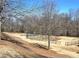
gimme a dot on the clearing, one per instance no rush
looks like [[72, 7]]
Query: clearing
[[23, 47]]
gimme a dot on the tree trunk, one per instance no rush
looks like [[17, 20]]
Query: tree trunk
[[48, 42]]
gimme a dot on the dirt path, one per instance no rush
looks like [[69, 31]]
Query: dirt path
[[32, 50]]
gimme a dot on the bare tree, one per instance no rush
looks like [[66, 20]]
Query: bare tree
[[49, 11]]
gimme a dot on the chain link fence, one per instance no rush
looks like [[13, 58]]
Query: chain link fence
[[54, 39]]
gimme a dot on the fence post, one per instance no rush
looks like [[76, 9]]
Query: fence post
[[27, 34]]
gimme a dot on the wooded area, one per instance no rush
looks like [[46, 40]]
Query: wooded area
[[49, 21]]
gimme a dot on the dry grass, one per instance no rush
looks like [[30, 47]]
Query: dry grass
[[7, 52], [26, 49]]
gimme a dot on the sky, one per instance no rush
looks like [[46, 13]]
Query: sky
[[61, 5], [66, 5]]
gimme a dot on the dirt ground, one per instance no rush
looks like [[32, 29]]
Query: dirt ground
[[16, 47], [64, 50]]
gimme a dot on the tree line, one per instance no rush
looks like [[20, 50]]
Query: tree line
[[49, 22]]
